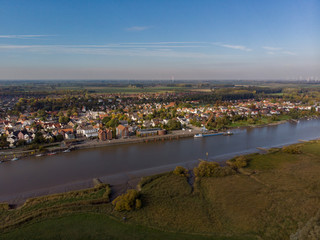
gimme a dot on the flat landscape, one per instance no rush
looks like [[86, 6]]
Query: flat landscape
[[275, 196]]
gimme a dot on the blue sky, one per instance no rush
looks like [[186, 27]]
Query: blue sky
[[230, 39]]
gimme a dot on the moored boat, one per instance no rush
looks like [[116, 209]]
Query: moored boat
[[198, 135], [207, 135], [228, 133], [14, 159]]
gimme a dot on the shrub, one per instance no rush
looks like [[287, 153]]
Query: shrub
[[223, 171], [138, 203], [180, 171], [107, 192], [128, 201], [238, 162], [205, 169], [292, 149], [212, 169], [4, 206]]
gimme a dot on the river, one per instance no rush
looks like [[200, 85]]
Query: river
[[120, 163]]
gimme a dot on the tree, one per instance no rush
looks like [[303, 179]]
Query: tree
[[3, 141], [64, 119], [128, 201], [112, 123], [180, 171], [59, 138], [39, 138], [173, 125], [105, 120]]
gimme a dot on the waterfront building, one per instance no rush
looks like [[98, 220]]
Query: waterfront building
[[122, 131]]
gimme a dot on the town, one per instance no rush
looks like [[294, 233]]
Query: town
[[31, 122]]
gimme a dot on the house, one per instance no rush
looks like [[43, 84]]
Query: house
[[69, 135], [12, 140], [105, 134], [102, 135], [148, 132], [122, 131], [109, 134], [88, 131], [24, 135]]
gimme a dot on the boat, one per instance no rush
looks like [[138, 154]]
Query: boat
[[228, 133], [39, 155], [14, 159], [67, 150], [198, 135], [207, 135], [52, 153], [212, 134]]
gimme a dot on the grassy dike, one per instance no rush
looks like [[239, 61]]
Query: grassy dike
[[275, 196]]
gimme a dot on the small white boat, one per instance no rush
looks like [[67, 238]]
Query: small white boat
[[66, 151], [15, 159], [228, 133], [198, 135], [39, 155]]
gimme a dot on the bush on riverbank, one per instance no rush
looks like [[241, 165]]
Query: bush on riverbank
[[293, 149], [238, 162], [4, 206], [128, 201], [212, 169], [180, 171]]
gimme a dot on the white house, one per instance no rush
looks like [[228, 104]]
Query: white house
[[88, 132]]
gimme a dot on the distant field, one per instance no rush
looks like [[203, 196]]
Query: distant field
[[276, 196], [127, 90]]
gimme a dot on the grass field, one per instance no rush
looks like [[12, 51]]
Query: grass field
[[275, 196], [88, 226]]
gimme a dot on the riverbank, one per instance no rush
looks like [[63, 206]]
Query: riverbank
[[119, 182], [258, 202]]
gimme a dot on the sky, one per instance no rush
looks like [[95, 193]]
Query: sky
[[160, 40]]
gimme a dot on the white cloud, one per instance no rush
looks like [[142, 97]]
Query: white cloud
[[111, 50], [278, 51], [237, 47], [272, 48], [137, 28], [289, 53], [23, 36]]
